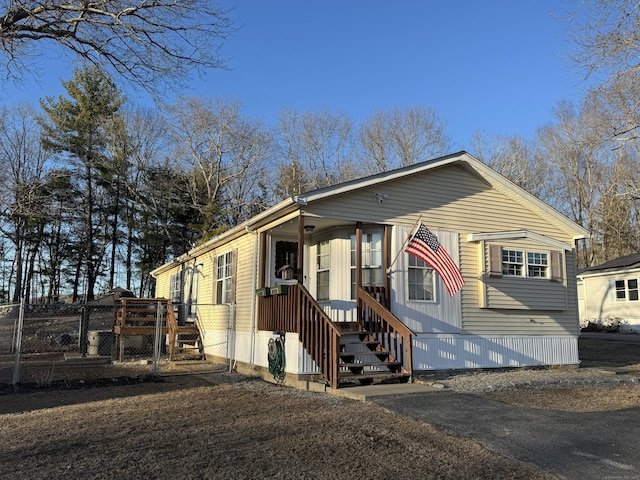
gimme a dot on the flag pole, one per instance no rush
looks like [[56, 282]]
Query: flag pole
[[404, 244]]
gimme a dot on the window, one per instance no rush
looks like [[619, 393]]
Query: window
[[632, 288], [286, 254], [627, 290], [420, 280], [371, 261], [224, 271], [322, 271], [511, 262], [175, 292], [537, 264]]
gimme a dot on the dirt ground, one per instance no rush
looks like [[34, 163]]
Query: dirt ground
[[222, 425]]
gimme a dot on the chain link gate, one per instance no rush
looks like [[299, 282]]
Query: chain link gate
[[45, 344]]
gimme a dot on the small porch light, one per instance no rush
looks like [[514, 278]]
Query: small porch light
[[309, 228]]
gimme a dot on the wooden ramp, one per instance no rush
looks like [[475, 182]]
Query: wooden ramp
[[139, 317]]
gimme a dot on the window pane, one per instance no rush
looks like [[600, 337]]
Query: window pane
[[632, 286], [322, 274], [420, 279], [224, 278], [323, 285], [620, 290], [371, 261], [512, 262]]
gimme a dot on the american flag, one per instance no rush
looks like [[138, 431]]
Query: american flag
[[426, 247]]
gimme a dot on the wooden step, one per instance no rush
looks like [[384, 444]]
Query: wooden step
[[364, 362], [373, 378], [379, 355], [363, 367]]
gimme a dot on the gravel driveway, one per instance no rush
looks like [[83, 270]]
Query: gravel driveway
[[595, 444], [574, 445]]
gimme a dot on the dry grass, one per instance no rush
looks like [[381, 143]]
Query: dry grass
[[184, 428], [591, 398]]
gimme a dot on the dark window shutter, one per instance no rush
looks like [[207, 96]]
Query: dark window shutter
[[495, 260], [556, 266]]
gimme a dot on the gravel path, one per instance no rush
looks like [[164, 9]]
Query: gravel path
[[485, 381]]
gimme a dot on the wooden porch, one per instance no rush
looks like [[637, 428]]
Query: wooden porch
[[154, 316], [374, 349]]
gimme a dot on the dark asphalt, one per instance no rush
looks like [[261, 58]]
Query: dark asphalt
[[598, 445]]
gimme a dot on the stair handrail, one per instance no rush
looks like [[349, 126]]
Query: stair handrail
[[319, 336], [386, 328], [172, 327]]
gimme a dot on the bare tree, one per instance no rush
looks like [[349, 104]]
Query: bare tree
[[23, 194], [317, 149], [580, 163], [607, 37], [146, 42], [515, 158], [222, 155], [401, 137]]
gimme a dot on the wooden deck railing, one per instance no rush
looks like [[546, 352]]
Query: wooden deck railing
[[319, 336], [297, 311], [280, 313], [393, 335]]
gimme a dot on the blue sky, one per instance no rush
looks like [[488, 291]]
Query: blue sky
[[496, 66]]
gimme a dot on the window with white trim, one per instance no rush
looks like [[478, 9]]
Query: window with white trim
[[529, 264], [224, 278], [323, 259], [512, 262], [175, 290], [537, 264], [420, 280], [371, 261], [627, 290], [519, 263]]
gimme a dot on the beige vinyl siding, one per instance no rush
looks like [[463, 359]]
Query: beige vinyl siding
[[509, 292], [244, 246], [452, 199], [163, 283]]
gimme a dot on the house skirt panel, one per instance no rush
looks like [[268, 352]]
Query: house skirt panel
[[443, 352]]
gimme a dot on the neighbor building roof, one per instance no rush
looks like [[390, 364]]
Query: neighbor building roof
[[620, 263]]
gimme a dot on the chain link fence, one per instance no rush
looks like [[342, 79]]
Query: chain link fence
[[43, 344]]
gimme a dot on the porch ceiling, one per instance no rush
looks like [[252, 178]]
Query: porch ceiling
[[290, 227]]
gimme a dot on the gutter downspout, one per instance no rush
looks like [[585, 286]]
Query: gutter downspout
[[254, 278]]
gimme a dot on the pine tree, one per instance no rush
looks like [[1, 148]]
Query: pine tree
[[76, 131]]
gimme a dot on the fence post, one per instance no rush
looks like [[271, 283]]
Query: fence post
[[84, 327], [157, 340], [16, 361]]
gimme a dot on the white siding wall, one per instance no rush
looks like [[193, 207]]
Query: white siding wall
[[598, 300], [442, 352], [443, 315]]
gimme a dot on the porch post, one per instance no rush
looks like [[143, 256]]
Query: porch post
[[300, 261], [358, 256], [262, 268], [385, 265]]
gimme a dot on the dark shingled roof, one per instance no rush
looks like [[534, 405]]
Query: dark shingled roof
[[617, 263]]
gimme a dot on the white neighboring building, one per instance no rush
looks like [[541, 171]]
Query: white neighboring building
[[608, 293]]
